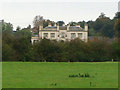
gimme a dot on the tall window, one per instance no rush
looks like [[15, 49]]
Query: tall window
[[79, 35], [45, 35], [62, 35], [52, 35], [73, 35]]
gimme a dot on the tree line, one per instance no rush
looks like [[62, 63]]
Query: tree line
[[102, 26], [16, 46]]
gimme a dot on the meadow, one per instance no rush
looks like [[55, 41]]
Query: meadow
[[57, 74]]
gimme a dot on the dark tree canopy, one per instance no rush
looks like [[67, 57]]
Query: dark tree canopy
[[60, 23], [7, 26]]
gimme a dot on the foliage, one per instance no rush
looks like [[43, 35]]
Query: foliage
[[8, 53], [102, 26], [18, 28], [117, 15], [38, 20], [47, 22], [7, 26], [17, 45], [60, 23], [46, 50], [72, 23], [116, 50], [95, 50], [117, 28]]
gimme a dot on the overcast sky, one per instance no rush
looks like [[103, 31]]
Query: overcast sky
[[21, 12]]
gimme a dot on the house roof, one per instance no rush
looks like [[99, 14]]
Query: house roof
[[71, 28], [74, 28]]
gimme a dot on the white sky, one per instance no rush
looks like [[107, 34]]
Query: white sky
[[21, 12]]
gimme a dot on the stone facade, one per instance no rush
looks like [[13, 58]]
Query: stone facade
[[64, 33]]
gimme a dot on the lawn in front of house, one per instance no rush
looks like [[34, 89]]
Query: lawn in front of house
[[56, 74]]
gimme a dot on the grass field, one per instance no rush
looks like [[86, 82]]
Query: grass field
[[56, 75]]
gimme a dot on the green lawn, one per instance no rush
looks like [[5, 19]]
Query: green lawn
[[56, 74]]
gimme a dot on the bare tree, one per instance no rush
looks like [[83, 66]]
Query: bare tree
[[38, 20]]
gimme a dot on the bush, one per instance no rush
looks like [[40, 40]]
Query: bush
[[17, 46]]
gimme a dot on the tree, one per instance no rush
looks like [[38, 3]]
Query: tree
[[117, 27], [81, 23], [7, 26], [38, 20], [99, 49], [18, 28], [117, 15], [29, 27], [46, 50], [76, 50], [102, 26], [102, 15], [22, 45], [8, 53], [72, 23], [47, 22], [116, 50], [60, 23]]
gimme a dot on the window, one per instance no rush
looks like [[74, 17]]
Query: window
[[63, 35], [45, 35], [73, 35], [79, 35], [52, 35], [35, 41]]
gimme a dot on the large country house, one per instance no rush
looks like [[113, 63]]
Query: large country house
[[63, 33]]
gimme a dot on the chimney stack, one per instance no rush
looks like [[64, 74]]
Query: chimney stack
[[77, 25], [40, 27], [68, 26], [49, 25], [55, 25], [58, 27], [86, 27], [63, 25]]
